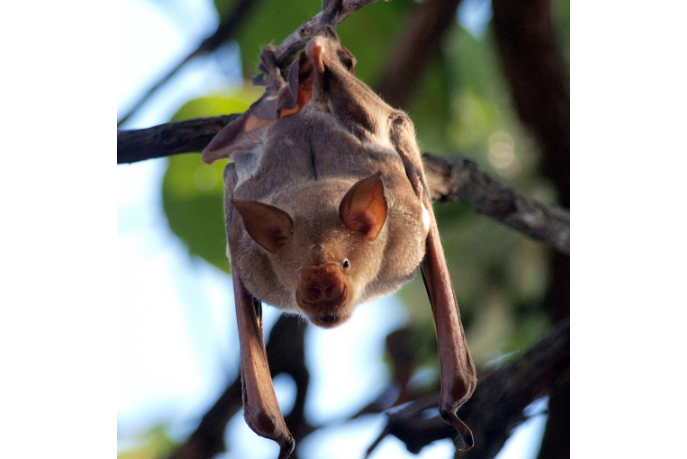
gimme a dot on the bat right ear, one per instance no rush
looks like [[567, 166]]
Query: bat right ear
[[269, 226], [363, 208]]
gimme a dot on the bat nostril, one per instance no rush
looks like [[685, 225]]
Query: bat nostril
[[331, 291]]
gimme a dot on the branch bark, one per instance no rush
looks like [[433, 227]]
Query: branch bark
[[168, 139], [460, 180]]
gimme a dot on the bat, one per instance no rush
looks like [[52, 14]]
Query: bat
[[326, 207]]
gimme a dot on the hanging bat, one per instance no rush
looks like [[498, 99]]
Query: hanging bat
[[326, 207]]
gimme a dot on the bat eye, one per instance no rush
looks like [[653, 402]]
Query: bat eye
[[346, 264]]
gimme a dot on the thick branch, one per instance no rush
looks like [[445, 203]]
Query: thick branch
[[497, 405], [456, 179], [460, 180], [168, 139], [539, 80]]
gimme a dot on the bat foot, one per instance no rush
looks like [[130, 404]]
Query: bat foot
[[463, 430]]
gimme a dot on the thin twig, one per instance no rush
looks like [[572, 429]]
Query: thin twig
[[224, 30]]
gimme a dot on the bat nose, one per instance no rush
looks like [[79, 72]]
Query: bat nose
[[322, 282], [323, 294], [326, 288]]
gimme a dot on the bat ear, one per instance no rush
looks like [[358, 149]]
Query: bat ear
[[363, 209], [269, 226], [242, 133], [293, 97]]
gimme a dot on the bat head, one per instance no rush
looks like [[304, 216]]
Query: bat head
[[326, 251]]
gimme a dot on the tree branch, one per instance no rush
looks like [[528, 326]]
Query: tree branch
[[460, 180], [456, 179], [168, 139], [539, 80]]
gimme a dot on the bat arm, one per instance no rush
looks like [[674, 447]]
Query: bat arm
[[458, 375], [260, 407]]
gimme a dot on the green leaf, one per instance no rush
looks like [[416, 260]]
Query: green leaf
[[192, 198]]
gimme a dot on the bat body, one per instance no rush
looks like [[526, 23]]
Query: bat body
[[326, 207], [303, 251]]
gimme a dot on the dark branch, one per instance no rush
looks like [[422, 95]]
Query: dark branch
[[496, 407], [168, 139], [540, 86], [456, 179]]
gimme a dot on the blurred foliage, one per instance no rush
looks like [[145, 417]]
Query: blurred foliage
[[153, 444], [463, 107]]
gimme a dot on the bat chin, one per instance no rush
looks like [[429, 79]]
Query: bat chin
[[329, 313], [330, 320]]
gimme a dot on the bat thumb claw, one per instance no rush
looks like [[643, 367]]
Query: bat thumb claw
[[287, 448], [463, 430]]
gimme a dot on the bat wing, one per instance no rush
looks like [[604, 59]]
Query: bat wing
[[260, 408], [458, 375]]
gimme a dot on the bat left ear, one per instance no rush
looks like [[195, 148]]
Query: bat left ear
[[364, 208]]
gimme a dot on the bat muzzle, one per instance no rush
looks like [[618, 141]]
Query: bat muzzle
[[323, 295]]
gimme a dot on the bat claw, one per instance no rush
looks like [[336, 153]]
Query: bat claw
[[463, 430], [287, 448]]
